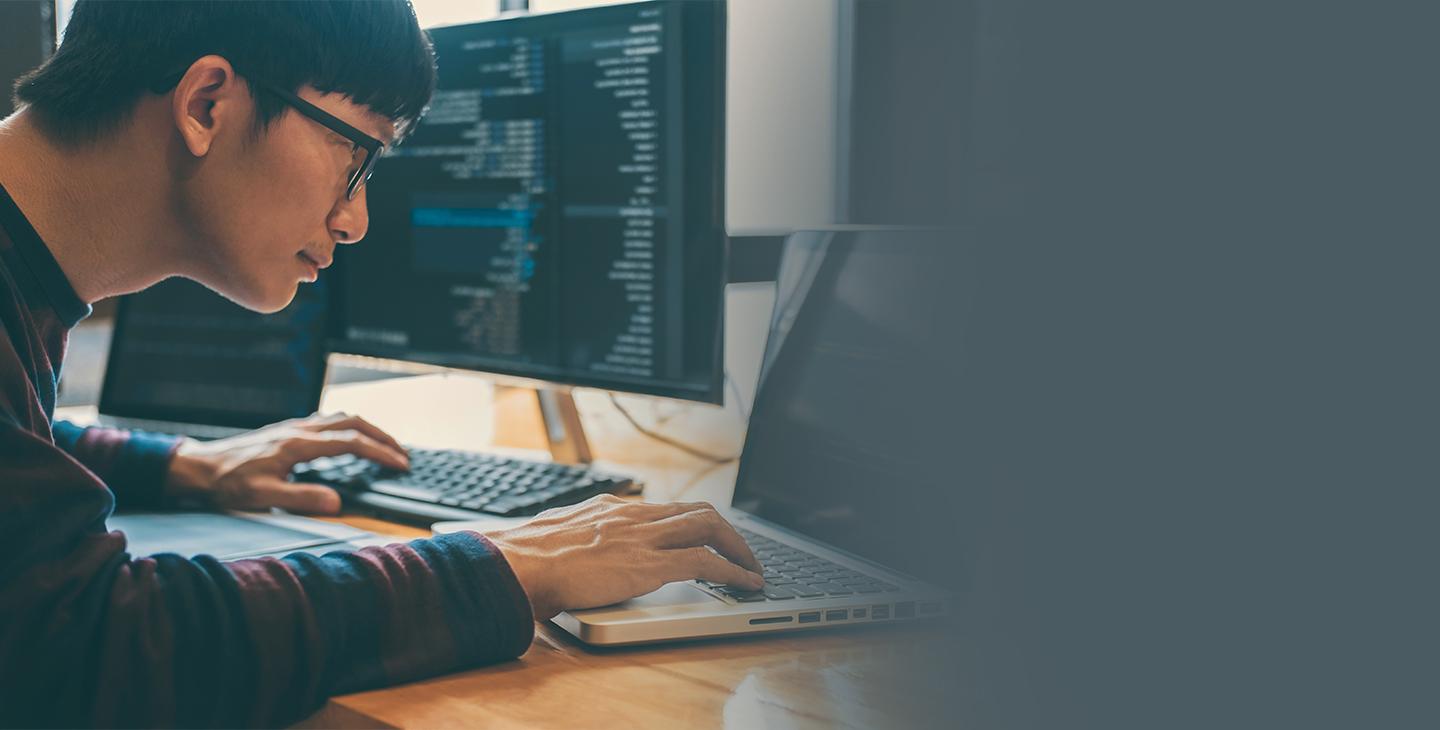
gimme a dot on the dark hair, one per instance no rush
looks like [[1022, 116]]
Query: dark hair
[[114, 52]]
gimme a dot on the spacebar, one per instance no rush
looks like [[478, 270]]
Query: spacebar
[[408, 510], [400, 490]]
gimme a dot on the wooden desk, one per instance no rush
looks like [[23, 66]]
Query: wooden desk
[[864, 677]]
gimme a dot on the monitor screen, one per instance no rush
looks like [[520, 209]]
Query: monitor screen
[[557, 214], [861, 427], [183, 353]]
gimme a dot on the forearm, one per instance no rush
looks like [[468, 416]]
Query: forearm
[[135, 466], [91, 636], [200, 643]]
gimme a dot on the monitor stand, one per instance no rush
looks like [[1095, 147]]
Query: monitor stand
[[563, 430], [509, 8]]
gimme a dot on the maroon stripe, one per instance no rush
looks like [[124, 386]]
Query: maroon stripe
[[415, 637], [274, 597]]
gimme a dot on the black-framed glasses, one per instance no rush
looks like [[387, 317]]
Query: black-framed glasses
[[363, 154]]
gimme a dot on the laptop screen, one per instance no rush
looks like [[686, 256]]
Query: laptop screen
[[858, 426], [183, 353]]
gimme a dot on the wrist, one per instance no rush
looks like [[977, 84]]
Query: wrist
[[191, 471], [540, 602]]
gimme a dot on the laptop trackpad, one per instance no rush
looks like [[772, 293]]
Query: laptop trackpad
[[672, 594]]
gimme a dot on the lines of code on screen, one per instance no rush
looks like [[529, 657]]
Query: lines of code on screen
[[534, 221]]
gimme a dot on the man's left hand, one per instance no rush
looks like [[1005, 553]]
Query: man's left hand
[[250, 471]]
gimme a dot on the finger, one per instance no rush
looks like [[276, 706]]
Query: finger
[[705, 527], [345, 421], [704, 564], [308, 446], [298, 497]]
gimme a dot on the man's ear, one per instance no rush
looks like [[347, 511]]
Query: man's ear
[[210, 98]]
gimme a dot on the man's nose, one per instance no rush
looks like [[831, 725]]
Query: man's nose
[[349, 219]]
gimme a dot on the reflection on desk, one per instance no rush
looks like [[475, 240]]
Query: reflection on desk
[[875, 677]]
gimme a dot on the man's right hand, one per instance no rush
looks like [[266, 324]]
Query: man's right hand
[[605, 550]]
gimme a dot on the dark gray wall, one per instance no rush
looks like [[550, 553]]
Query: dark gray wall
[[912, 69], [27, 36]]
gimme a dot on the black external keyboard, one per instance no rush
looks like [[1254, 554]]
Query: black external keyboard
[[457, 485], [792, 573]]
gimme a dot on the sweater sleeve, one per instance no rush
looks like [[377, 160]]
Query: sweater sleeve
[[133, 464], [92, 635]]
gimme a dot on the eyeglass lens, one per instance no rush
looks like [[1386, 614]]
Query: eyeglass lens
[[356, 173]]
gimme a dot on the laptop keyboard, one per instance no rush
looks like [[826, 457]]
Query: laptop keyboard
[[792, 573], [463, 481]]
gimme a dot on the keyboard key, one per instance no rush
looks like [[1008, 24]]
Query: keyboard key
[[400, 490], [778, 593], [502, 506]]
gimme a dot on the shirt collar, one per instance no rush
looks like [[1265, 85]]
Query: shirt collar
[[42, 264]]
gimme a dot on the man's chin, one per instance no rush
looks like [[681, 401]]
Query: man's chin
[[270, 305], [265, 299]]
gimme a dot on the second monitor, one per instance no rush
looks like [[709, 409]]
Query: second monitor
[[558, 213]]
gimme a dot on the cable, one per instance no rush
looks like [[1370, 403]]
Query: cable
[[691, 450]]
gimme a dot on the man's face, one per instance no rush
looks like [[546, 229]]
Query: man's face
[[270, 211]]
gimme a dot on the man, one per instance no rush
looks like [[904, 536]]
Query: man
[[164, 140]]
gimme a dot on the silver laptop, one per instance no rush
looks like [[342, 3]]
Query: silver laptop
[[184, 360], [851, 483]]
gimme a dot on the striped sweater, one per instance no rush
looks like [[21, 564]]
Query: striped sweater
[[93, 635]]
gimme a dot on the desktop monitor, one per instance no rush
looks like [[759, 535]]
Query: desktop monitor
[[558, 214], [181, 353]]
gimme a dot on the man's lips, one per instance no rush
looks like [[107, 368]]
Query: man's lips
[[321, 261]]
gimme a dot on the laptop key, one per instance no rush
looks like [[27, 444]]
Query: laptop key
[[804, 591], [778, 593]]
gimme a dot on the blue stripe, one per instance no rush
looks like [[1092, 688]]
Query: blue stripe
[[470, 218]]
